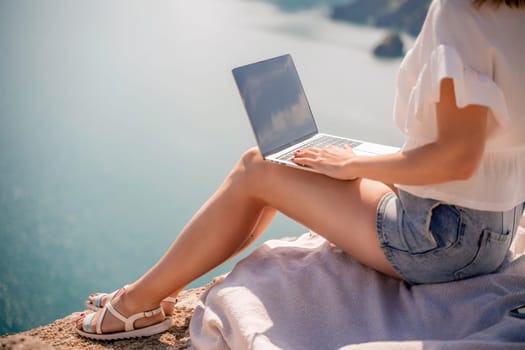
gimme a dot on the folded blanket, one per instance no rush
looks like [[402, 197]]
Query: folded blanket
[[307, 294]]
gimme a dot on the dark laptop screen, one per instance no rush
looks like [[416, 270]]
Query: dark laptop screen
[[275, 102]]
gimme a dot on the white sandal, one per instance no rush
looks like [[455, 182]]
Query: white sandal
[[129, 328]]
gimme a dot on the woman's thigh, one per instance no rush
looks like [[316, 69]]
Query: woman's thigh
[[344, 212]]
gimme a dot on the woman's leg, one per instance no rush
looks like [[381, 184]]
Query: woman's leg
[[262, 223], [342, 211]]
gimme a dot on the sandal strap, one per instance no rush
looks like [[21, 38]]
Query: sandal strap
[[98, 299], [87, 322], [104, 310], [171, 300], [129, 322], [101, 318]]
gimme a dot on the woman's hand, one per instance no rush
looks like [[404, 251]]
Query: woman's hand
[[454, 155], [331, 161]]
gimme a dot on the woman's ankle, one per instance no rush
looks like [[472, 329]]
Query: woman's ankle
[[133, 302]]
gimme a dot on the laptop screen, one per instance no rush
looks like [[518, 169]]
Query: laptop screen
[[275, 103]]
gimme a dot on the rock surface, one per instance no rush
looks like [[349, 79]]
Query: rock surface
[[61, 334]]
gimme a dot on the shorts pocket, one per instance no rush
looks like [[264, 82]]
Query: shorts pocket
[[492, 249], [445, 225], [442, 229]]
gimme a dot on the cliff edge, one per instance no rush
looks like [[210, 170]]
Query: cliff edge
[[61, 334]]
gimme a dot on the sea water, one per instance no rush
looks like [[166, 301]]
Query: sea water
[[118, 119]]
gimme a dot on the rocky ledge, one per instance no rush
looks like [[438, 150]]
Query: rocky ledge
[[398, 15], [390, 47], [61, 334]]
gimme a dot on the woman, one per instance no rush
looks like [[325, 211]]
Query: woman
[[458, 192]]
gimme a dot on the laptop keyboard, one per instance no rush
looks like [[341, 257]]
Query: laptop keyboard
[[320, 142]]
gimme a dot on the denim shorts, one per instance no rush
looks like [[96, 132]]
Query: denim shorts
[[428, 241]]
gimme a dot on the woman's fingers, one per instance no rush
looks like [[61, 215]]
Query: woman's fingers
[[307, 156], [329, 160], [326, 152]]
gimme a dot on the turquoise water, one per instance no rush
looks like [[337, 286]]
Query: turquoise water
[[98, 102]]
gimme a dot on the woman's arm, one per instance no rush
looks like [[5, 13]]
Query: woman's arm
[[455, 154]]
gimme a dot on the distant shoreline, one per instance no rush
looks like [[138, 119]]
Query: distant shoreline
[[399, 15]]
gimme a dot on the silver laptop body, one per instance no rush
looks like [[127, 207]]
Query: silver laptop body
[[280, 115]]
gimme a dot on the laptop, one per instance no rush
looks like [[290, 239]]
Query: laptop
[[280, 115]]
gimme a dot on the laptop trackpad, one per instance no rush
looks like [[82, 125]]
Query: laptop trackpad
[[374, 148]]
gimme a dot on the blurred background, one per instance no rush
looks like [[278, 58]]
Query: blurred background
[[100, 101]]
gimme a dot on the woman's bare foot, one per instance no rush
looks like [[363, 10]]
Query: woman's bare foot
[[125, 306]]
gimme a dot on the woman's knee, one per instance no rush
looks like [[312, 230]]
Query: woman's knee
[[251, 156], [249, 166]]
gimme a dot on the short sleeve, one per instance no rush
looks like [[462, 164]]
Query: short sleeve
[[436, 55]]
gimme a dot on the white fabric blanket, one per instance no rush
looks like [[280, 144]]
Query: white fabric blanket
[[306, 294]]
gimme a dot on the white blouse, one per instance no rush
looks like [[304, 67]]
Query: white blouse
[[483, 51]]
